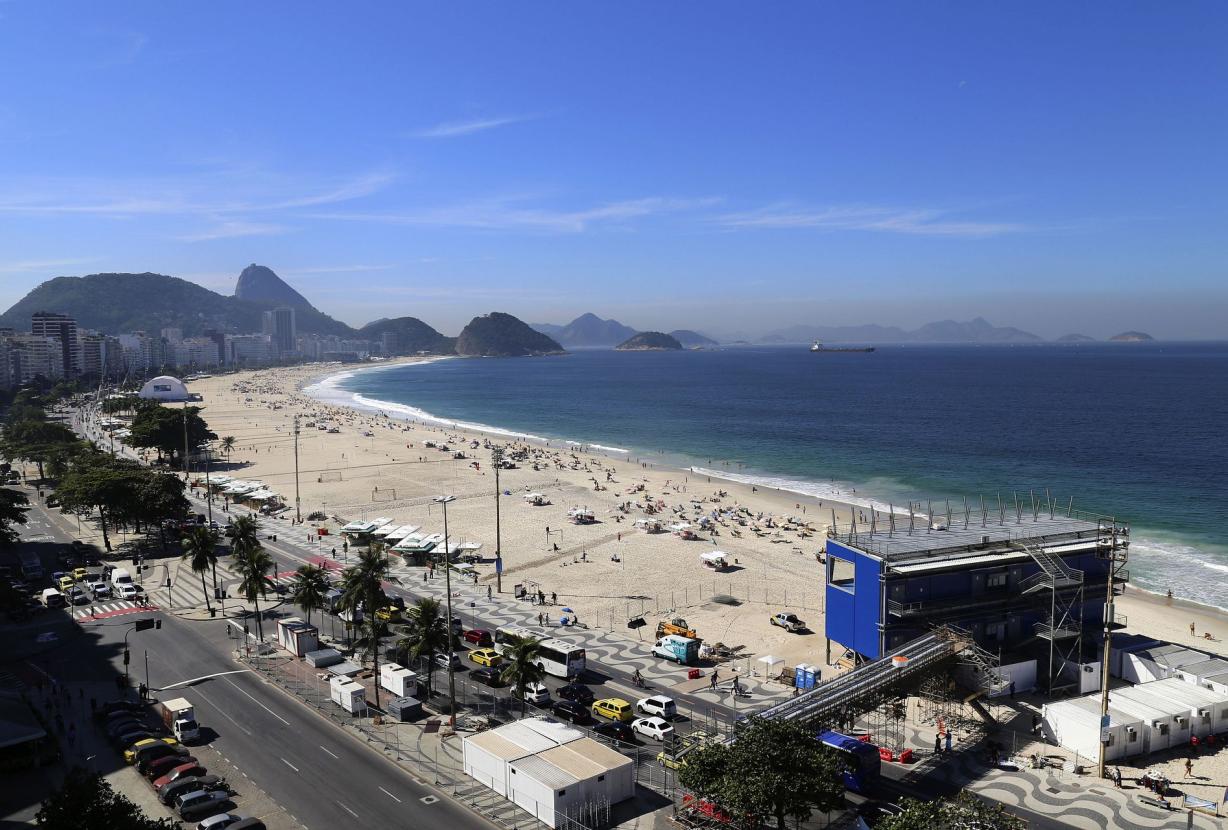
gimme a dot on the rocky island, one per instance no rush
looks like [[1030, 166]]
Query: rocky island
[[649, 341], [1131, 337], [502, 335]]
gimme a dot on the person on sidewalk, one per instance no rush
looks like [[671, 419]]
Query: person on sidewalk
[[948, 740], [937, 743], [1189, 767]]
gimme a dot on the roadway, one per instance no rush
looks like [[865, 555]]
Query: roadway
[[315, 770]]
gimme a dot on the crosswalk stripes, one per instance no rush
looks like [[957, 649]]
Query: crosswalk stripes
[[113, 608]]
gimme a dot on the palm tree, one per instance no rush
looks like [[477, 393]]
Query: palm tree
[[310, 587], [522, 667], [362, 587], [426, 634], [246, 533], [200, 549], [253, 566], [228, 445]]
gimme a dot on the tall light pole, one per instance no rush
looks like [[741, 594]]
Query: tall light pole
[[185, 440], [496, 457], [447, 575], [298, 513]]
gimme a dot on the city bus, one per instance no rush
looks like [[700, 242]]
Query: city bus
[[556, 657], [862, 763]]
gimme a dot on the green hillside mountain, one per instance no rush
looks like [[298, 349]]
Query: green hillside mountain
[[502, 335], [649, 341], [692, 339], [118, 303], [412, 336]]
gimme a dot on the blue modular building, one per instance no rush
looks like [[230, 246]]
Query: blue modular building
[[1023, 582]]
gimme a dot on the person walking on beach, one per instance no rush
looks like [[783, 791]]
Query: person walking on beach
[[1189, 767]]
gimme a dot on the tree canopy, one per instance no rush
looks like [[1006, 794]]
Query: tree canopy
[[967, 812], [120, 490], [162, 428], [774, 768], [87, 802], [13, 508]]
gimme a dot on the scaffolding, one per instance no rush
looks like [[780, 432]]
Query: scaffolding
[[1063, 630]]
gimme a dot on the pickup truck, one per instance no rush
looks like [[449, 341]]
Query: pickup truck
[[789, 622]]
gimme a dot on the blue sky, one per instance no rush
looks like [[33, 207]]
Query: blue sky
[[729, 167]]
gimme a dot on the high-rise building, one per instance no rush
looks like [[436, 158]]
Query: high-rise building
[[284, 335], [388, 343], [251, 350], [64, 329], [33, 356], [93, 354], [172, 335]]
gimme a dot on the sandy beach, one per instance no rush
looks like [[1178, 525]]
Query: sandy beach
[[374, 465], [608, 571]]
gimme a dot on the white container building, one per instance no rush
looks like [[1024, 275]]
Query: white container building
[[1157, 662], [1157, 722], [1207, 709], [1075, 725], [542, 789], [350, 696], [399, 680], [486, 756], [1211, 673]]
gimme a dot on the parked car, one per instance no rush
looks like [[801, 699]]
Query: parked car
[[572, 711], [615, 731], [577, 692], [135, 735], [479, 637], [146, 743], [442, 660], [99, 589], [128, 592], [248, 824], [653, 727], [159, 749], [160, 765], [79, 574], [167, 793], [486, 657], [112, 706], [189, 770], [658, 705], [201, 803], [488, 676], [219, 822], [613, 708]]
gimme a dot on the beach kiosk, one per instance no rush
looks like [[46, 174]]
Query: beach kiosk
[[297, 637], [399, 680]]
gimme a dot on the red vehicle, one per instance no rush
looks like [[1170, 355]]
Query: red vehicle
[[182, 771], [162, 766], [479, 637]]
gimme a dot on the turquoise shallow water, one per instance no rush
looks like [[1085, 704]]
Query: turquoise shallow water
[[1137, 431]]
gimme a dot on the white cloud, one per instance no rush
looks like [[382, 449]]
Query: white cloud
[[230, 228], [512, 214], [454, 129], [35, 266], [920, 222]]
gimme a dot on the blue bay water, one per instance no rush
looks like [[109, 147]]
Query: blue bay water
[[1137, 431]]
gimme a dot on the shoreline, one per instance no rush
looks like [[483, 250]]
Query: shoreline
[[802, 490]]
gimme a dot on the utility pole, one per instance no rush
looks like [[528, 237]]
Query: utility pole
[[208, 489], [185, 440], [496, 457], [447, 575], [298, 512], [1108, 637]]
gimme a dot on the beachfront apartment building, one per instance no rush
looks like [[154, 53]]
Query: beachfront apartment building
[[1023, 581]]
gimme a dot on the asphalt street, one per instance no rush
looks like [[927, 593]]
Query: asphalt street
[[319, 773]]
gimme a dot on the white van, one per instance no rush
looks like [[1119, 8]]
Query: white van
[[53, 598], [119, 576]]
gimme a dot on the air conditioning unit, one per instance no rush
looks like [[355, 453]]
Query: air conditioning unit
[[1204, 713]]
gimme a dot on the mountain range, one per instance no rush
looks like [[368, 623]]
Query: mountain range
[[978, 330], [588, 331]]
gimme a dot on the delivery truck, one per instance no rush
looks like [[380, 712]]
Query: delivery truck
[[682, 650], [180, 719]]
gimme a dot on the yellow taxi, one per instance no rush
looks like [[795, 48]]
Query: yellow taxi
[[613, 708], [486, 657], [66, 583], [130, 752], [79, 574], [389, 613]]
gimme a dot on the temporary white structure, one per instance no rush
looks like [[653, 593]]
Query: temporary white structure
[[770, 663], [397, 679], [1181, 728], [347, 694], [548, 768], [716, 559], [1207, 709], [1157, 722], [1211, 673], [1075, 725], [1157, 662]]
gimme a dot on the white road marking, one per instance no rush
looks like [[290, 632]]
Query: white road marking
[[347, 809], [290, 765], [258, 703], [330, 752], [223, 712], [390, 795]]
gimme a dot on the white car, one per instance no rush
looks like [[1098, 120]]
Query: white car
[[219, 821], [659, 705], [126, 591], [537, 694], [653, 728], [99, 588]]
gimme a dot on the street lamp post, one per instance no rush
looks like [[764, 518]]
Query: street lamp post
[[496, 456], [447, 575]]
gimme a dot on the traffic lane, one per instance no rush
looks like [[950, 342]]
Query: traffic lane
[[306, 763], [290, 557]]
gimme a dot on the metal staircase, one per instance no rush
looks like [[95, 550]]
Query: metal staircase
[[1064, 627], [1054, 572]]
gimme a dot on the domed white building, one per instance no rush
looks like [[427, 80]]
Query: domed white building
[[164, 388]]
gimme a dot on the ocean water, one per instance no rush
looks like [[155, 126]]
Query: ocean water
[[1135, 431]]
